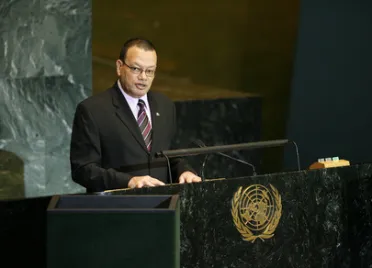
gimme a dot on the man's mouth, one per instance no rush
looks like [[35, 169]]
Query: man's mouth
[[140, 86]]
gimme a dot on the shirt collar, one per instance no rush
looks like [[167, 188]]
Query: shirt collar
[[131, 100]]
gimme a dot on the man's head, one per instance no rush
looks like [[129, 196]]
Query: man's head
[[136, 66]]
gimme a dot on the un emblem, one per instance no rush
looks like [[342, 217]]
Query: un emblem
[[256, 211]]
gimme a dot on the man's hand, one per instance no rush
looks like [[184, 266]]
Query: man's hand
[[141, 181], [188, 177]]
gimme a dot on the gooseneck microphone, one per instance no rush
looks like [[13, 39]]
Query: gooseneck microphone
[[297, 155], [202, 144], [169, 169]]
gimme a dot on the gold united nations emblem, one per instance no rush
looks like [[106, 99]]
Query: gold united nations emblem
[[256, 211]]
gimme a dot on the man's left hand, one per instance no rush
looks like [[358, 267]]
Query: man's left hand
[[188, 177]]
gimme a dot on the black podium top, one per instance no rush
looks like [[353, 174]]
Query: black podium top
[[112, 203]]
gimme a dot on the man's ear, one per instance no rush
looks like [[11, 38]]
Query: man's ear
[[119, 63]]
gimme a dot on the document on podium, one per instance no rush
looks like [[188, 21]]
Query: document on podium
[[170, 184]]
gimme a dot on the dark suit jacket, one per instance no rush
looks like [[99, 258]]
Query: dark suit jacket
[[107, 147]]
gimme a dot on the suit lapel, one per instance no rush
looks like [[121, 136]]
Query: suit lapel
[[125, 114], [156, 120]]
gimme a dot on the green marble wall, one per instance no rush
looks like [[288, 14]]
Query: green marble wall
[[45, 70]]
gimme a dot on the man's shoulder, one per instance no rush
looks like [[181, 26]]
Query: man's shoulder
[[98, 99], [160, 97]]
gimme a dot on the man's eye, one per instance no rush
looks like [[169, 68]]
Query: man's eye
[[134, 68], [150, 72]]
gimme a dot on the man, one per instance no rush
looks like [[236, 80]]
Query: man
[[116, 133]]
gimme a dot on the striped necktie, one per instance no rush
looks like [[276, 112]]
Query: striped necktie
[[144, 124]]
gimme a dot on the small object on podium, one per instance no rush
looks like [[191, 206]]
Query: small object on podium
[[329, 162]]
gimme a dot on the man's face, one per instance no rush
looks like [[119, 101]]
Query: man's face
[[137, 72]]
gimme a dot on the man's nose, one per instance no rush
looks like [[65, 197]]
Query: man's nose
[[142, 75]]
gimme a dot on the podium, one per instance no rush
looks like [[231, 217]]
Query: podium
[[325, 220], [302, 219], [113, 231]]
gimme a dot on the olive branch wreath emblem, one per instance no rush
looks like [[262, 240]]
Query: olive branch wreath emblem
[[272, 223]]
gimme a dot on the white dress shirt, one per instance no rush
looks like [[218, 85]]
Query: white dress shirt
[[133, 103]]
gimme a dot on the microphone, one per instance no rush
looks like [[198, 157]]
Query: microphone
[[169, 169], [201, 145], [297, 155]]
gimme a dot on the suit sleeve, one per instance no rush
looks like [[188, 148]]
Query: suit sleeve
[[178, 164], [85, 156]]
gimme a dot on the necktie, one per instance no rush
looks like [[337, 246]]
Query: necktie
[[144, 124]]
